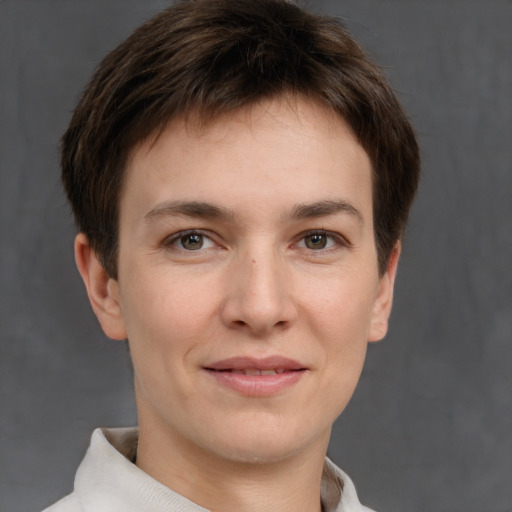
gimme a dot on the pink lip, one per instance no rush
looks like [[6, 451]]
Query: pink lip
[[228, 373]]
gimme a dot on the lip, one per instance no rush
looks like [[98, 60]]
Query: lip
[[266, 363], [230, 373]]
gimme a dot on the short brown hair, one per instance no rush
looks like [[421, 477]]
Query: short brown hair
[[213, 56]]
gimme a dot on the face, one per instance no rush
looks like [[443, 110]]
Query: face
[[248, 285]]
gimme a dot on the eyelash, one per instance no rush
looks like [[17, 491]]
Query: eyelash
[[337, 240]]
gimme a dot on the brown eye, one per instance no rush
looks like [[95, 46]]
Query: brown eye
[[192, 242], [316, 241], [189, 241]]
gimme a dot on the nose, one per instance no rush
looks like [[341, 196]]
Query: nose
[[259, 296]]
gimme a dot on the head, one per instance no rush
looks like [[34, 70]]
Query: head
[[210, 58], [241, 176]]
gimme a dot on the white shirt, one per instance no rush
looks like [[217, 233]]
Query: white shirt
[[107, 481]]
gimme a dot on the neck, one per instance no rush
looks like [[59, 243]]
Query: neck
[[289, 484]]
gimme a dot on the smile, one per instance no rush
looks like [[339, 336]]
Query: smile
[[256, 377]]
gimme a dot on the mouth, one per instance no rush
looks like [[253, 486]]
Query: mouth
[[256, 366], [255, 371], [257, 377]]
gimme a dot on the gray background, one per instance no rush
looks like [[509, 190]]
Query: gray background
[[430, 426]]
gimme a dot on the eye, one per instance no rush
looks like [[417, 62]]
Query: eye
[[321, 240], [190, 241], [316, 241]]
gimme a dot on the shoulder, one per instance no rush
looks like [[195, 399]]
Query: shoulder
[[68, 504]]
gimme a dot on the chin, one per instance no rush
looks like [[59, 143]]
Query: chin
[[256, 453], [257, 446]]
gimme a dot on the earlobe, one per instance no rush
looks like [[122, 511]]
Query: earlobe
[[384, 299], [102, 290]]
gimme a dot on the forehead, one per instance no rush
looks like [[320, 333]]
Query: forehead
[[285, 149]]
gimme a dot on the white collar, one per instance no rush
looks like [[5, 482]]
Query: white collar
[[107, 480]]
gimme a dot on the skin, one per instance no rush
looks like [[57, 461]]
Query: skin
[[269, 274]]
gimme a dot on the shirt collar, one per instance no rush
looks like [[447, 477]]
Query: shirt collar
[[107, 479]]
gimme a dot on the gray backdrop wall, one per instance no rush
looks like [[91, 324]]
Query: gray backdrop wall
[[430, 425]]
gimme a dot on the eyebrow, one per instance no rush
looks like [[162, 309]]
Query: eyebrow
[[195, 209], [203, 210], [324, 208]]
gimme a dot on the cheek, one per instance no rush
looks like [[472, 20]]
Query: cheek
[[342, 326], [166, 311], [342, 309], [166, 322], [340, 320]]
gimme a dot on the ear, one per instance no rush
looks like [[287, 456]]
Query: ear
[[384, 299], [103, 291]]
